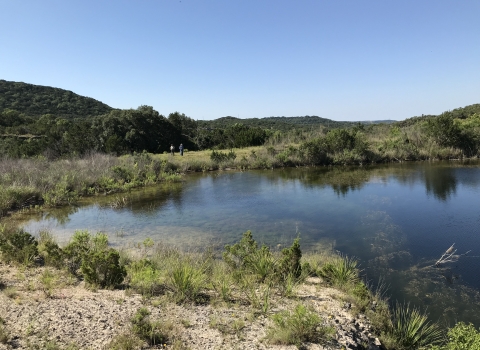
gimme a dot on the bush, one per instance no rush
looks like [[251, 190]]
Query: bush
[[461, 337], [219, 157], [49, 250], [98, 264], [290, 261], [102, 268], [301, 325], [17, 246], [76, 250]]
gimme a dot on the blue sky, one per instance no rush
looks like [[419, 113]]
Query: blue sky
[[338, 59]]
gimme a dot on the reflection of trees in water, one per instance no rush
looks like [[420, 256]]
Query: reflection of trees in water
[[440, 181], [61, 215]]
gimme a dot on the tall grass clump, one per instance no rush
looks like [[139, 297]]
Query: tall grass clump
[[143, 277], [153, 332], [187, 280], [340, 271], [299, 326], [410, 329]]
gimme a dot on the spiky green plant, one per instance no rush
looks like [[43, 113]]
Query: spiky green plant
[[411, 329], [187, 280], [340, 271]]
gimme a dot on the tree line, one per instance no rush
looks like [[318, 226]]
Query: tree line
[[118, 132]]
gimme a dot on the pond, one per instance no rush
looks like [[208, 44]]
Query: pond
[[396, 219]]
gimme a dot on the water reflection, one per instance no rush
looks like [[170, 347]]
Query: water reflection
[[440, 181], [396, 219]]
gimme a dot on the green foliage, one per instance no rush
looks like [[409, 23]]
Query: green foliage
[[238, 255], [219, 157], [17, 246], [47, 279], [340, 271], [187, 280], [411, 330], [76, 250], [49, 250], [461, 337], [61, 194], [16, 197], [102, 268], [143, 277], [301, 325], [90, 255], [290, 261], [147, 330], [37, 100]]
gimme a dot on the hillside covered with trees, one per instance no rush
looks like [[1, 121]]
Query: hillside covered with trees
[[50, 122], [37, 100]]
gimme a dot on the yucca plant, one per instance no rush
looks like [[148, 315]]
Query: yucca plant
[[340, 271], [187, 280], [411, 329]]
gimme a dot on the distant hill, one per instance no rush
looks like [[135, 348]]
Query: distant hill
[[285, 123], [36, 100], [461, 113]]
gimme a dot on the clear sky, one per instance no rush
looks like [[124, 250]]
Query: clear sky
[[337, 59]]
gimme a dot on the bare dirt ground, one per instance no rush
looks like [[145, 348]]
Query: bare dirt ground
[[73, 317]]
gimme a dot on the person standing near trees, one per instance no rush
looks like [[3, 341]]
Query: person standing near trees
[[180, 148], [172, 149]]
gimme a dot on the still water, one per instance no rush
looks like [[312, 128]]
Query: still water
[[397, 220]]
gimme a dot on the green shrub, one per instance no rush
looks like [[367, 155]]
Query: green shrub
[[17, 246], [301, 325], [461, 337], [238, 255], [76, 250], [47, 279], [102, 268], [61, 194], [290, 261], [90, 255], [80, 245], [411, 330], [219, 157]]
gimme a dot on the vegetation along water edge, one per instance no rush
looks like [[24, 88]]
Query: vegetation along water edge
[[89, 295], [64, 147]]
